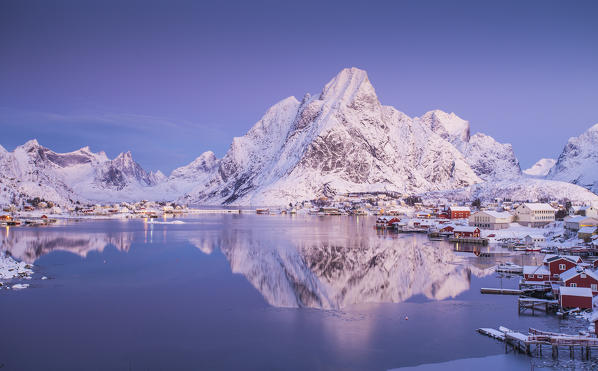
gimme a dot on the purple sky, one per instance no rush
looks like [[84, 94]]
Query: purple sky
[[169, 80]]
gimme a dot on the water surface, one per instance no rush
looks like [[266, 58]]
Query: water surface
[[251, 292]]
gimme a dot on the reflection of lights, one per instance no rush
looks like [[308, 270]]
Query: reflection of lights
[[7, 230]]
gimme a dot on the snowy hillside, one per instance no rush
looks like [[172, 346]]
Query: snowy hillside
[[540, 168], [339, 141], [522, 188], [578, 163]]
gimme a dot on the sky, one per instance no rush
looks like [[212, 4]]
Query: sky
[[169, 80]]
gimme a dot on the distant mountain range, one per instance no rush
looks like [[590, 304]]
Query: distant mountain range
[[342, 140]]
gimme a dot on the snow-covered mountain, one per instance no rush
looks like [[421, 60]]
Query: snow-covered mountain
[[540, 168], [578, 163], [32, 170], [340, 141], [489, 159]]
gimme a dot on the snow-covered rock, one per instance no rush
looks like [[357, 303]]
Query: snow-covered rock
[[578, 163], [489, 159], [340, 141], [540, 168]]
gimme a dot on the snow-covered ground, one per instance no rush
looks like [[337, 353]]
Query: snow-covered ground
[[11, 269]]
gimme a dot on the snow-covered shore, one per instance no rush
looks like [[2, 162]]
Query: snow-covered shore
[[10, 269]]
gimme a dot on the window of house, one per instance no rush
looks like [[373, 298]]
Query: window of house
[[583, 275], [572, 285], [562, 267], [594, 287], [540, 276]]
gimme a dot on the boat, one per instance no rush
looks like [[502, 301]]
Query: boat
[[262, 211]]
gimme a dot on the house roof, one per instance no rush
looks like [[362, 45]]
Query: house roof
[[548, 258], [588, 230], [575, 271], [465, 229], [498, 214], [459, 208], [576, 291], [533, 269], [539, 206]]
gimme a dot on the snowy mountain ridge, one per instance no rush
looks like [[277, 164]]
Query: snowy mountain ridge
[[341, 140]]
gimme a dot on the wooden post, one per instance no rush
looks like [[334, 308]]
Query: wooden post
[[571, 351], [555, 351]]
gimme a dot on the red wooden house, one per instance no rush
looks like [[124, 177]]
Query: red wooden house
[[558, 264], [459, 212], [577, 277], [536, 273], [466, 232], [447, 229], [575, 297]]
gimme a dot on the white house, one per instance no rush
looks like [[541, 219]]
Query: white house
[[490, 219], [588, 211], [534, 214], [534, 240]]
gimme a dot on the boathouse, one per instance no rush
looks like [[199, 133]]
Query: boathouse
[[575, 297], [466, 232], [579, 277]]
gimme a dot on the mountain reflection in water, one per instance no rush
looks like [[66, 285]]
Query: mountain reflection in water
[[315, 264]]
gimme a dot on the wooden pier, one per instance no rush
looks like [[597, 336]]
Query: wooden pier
[[533, 304], [495, 291], [536, 339], [474, 240]]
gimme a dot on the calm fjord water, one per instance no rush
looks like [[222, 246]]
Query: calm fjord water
[[248, 292]]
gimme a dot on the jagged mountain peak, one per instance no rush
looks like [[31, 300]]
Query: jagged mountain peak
[[349, 85], [32, 143], [448, 125]]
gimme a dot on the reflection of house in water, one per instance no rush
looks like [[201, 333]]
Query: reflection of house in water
[[28, 244]]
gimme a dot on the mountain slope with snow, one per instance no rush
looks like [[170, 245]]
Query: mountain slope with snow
[[489, 159], [540, 168], [32, 170], [578, 163], [343, 140]]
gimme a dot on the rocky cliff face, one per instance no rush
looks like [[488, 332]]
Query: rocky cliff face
[[340, 141], [578, 162]]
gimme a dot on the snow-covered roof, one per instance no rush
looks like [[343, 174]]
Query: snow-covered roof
[[533, 269], [499, 214], [588, 230], [539, 206], [567, 275], [459, 208], [465, 229], [576, 291], [552, 257]]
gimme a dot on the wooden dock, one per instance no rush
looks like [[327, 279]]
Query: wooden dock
[[533, 304], [474, 240], [537, 339], [496, 291]]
